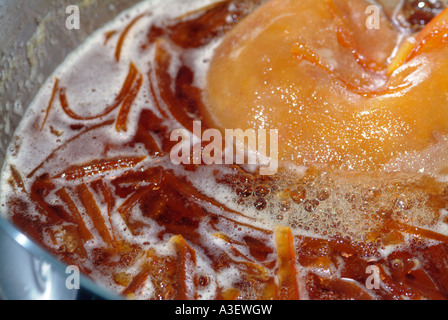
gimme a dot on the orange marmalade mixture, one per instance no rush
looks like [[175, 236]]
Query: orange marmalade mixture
[[357, 209]]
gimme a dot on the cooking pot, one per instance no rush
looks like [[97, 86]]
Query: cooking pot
[[34, 39]]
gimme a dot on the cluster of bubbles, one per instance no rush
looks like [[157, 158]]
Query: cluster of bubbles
[[329, 204]]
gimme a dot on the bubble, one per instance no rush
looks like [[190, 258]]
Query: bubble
[[203, 281], [285, 206], [280, 217], [247, 178], [262, 191], [397, 264], [323, 195], [370, 194], [245, 191], [402, 202], [350, 197], [311, 205], [260, 204], [385, 213], [298, 195]]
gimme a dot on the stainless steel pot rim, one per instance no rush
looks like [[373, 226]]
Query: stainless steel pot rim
[[39, 252]]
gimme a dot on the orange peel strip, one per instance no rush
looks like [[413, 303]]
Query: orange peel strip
[[186, 264], [288, 273]]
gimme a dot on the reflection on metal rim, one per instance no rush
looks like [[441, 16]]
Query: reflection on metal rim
[[41, 275]]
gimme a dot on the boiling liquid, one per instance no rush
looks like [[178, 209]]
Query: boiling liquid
[[133, 200]]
